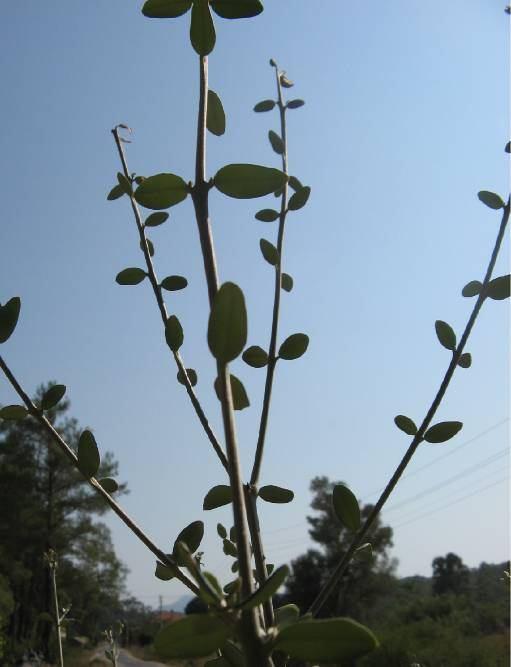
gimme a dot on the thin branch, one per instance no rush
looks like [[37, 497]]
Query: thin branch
[[71, 456], [341, 568], [162, 308]]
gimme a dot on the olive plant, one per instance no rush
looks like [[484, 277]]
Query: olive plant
[[241, 626]]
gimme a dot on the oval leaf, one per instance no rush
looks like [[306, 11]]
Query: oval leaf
[[53, 396], [491, 199], [465, 361], [346, 506], [265, 105], [130, 276], [473, 288], [246, 181], [161, 191], [269, 587], [149, 245], [286, 615], [230, 549], [194, 636], [191, 536], [227, 327], [295, 104], [499, 288], [299, 198], [202, 30], [109, 484], [163, 572], [286, 282], [174, 283], [124, 184], [165, 9], [236, 9], [276, 494], [9, 314], [295, 183], [255, 356], [405, 424], [192, 376], [13, 412], [269, 252], [267, 215], [442, 431], [445, 335], [215, 121], [326, 640], [217, 497], [156, 219], [222, 532], [276, 142], [239, 395], [174, 333], [294, 346], [116, 192], [88, 455]]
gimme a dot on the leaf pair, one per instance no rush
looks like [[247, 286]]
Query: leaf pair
[[438, 433]]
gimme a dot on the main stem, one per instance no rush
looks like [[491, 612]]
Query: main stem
[[251, 633], [57, 613], [341, 568]]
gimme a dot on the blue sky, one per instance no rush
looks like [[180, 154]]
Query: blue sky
[[405, 121]]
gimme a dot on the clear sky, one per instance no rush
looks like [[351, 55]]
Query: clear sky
[[406, 118]]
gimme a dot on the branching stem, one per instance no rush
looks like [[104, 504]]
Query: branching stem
[[341, 568]]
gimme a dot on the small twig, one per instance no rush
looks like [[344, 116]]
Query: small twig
[[162, 308], [341, 568], [71, 456]]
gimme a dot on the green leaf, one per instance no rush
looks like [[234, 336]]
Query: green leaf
[[192, 376], [215, 121], [275, 494], [174, 333], [255, 356], [364, 552], [221, 531], [295, 104], [236, 9], [405, 424], [294, 346], [88, 455], [265, 105], [295, 183], [286, 615], [217, 497], [13, 412], [465, 361], [267, 215], [164, 572], [165, 9], [174, 283], [235, 567], [9, 314], [233, 655], [508, 147], [109, 484], [149, 245], [230, 549], [346, 506], [239, 395], [276, 142], [130, 276], [442, 431], [268, 588], [161, 191], [499, 288], [246, 181], [194, 636], [227, 327], [286, 282], [124, 184], [473, 288], [156, 219], [326, 640], [299, 198], [115, 193], [269, 251], [491, 199], [232, 535], [192, 536], [202, 30], [53, 396], [445, 335]]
